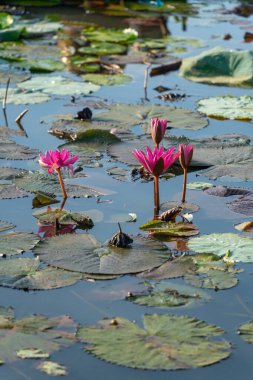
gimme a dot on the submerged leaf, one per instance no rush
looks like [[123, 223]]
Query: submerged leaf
[[187, 343]]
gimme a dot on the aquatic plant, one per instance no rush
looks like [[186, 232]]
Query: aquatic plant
[[158, 128], [186, 153]]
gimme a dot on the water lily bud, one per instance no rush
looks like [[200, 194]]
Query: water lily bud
[[120, 240], [158, 128], [186, 153]]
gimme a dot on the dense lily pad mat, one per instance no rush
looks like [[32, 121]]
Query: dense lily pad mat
[[17, 242], [33, 331], [83, 253], [220, 66], [240, 247], [166, 342]]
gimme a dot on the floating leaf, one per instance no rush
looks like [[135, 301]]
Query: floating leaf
[[199, 185], [17, 96], [243, 205], [38, 181], [10, 191], [239, 246], [158, 228], [43, 199], [34, 331], [52, 368], [220, 66], [17, 242], [228, 107], [16, 269], [168, 294], [42, 65], [57, 85], [32, 353], [9, 150], [241, 170], [83, 253], [187, 207], [103, 48], [213, 279], [107, 79], [15, 74], [178, 267], [10, 173], [5, 226], [187, 340], [246, 332], [6, 20], [108, 35], [224, 191]]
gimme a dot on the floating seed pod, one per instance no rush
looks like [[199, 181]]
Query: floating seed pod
[[121, 239]]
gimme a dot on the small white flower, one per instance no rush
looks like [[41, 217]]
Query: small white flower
[[188, 217], [130, 31]]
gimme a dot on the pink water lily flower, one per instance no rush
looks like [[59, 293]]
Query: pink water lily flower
[[56, 159], [158, 161], [186, 152], [158, 128]]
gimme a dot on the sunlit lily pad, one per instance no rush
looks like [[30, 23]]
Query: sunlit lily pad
[[83, 253], [199, 185], [157, 228], [187, 340], [6, 20], [10, 191], [9, 150], [107, 79], [178, 267], [108, 35], [57, 85], [246, 332], [103, 48], [38, 181], [239, 246], [5, 225], [129, 115], [34, 331], [32, 353], [228, 107], [168, 294], [17, 96], [17, 242], [52, 368], [81, 220]]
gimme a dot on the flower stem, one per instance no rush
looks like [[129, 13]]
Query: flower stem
[[184, 185], [156, 197], [62, 184]]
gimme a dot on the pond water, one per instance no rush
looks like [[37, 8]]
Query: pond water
[[86, 302]]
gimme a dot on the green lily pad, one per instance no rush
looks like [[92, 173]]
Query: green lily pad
[[42, 65], [9, 150], [35, 3], [57, 85], [34, 331], [38, 28], [16, 269], [168, 294], [17, 242], [107, 79], [158, 228], [14, 33], [38, 181], [83, 253], [239, 246], [52, 368], [187, 340], [246, 332], [6, 20], [81, 220], [8, 173], [42, 199], [129, 115], [213, 279], [17, 96], [220, 66], [241, 170], [103, 48], [5, 225], [32, 353], [178, 267], [108, 35], [10, 191], [228, 107]]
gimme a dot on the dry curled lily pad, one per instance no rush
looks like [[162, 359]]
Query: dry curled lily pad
[[83, 253], [128, 115], [246, 332], [168, 294], [34, 332], [240, 247], [39, 181], [228, 107], [9, 150], [10, 191], [165, 342], [178, 267], [14, 243], [52, 368], [5, 225], [245, 226]]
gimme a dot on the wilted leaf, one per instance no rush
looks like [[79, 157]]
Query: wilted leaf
[[186, 343], [83, 253], [245, 226], [168, 294], [239, 246], [52, 368], [17, 242]]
